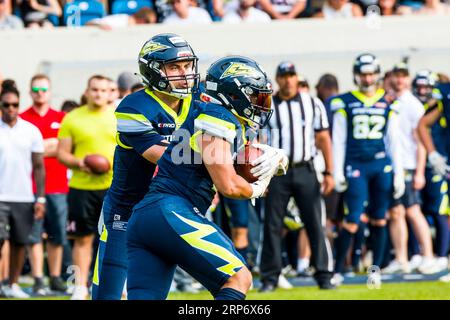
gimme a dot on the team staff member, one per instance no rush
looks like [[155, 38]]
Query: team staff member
[[48, 121], [299, 124], [21, 153], [90, 129]]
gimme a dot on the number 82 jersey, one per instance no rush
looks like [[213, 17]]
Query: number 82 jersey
[[367, 121]]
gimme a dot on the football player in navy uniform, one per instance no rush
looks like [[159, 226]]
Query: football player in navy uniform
[[146, 120], [168, 227], [367, 165], [434, 132]]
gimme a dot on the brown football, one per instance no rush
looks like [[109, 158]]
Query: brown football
[[97, 163], [243, 160]]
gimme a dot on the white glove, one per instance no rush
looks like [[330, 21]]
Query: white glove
[[273, 161], [439, 163], [399, 185], [259, 187], [340, 183], [101, 222]]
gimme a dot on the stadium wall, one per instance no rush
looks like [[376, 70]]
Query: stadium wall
[[70, 55]]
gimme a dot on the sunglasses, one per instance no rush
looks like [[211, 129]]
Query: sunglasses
[[7, 104], [37, 89]]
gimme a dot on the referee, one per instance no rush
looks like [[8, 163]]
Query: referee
[[299, 124]]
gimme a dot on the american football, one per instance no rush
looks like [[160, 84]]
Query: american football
[[97, 163]]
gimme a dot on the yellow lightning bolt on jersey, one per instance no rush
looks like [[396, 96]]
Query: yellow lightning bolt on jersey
[[195, 239]]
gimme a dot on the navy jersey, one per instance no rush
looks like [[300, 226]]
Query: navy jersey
[[444, 93], [180, 170], [367, 120], [143, 120]]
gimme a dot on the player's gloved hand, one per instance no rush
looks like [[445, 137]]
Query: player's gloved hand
[[340, 182], [272, 162], [259, 187], [439, 163], [399, 185]]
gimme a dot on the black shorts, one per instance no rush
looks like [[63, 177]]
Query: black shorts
[[411, 196], [16, 221], [334, 203], [84, 211]]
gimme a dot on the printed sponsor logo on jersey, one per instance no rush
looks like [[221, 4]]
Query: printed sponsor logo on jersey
[[238, 69], [116, 217], [55, 125], [168, 138], [356, 173], [380, 105], [153, 47], [355, 105], [166, 125]]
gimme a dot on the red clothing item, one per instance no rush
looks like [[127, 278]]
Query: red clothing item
[[55, 172]]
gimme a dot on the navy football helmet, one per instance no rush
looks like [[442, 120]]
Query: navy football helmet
[[161, 50], [423, 85], [364, 64], [242, 86]]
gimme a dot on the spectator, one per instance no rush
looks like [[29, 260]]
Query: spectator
[[246, 12], [303, 84], [48, 121], [434, 7], [21, 154], [442, 78], [391, 8], [326, 87], [69, 105], [283, 9], [7, 20], [298, 125], [89, 129], [184, 13], [335, 9], [143, 16], [137, 87], [113, 98], [125, 82], [35, 13]]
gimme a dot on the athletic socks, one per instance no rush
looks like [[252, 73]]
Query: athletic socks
[[302, 264], [442, 235], [229, 294], [342, 245], [379, 237]]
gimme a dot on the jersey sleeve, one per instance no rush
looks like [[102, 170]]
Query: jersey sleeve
[[135, 131], [37, 144], [217, 124], [65, 130], [337, 105], [320, 116]]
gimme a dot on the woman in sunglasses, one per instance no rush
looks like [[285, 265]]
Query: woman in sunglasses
[[21, 153]]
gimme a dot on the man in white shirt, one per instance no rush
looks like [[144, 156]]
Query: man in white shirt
[[414, 160], [246, 12], [21, 153], [185, 14]]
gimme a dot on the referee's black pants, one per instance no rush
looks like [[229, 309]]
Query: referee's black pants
[[302, 184]]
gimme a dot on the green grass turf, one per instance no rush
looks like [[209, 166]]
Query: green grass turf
[[433, 290], [390, 291]]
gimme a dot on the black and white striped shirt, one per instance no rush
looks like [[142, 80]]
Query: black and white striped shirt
[[294, 123]]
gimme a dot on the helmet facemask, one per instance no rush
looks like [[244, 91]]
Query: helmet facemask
[[165, 84], [252, 104]]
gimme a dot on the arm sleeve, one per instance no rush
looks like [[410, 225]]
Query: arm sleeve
[[393, 141], [37, 145], [321, 118], [339, 140], [217, 126], [135, 131]]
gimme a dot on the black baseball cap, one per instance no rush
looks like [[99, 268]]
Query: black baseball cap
[[401, 68], [285, 67]]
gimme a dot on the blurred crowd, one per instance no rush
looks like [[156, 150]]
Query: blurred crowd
[[111, 14]]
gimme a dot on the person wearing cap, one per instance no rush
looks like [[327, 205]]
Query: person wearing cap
[[407, 208], [298, 126], [125, 82]]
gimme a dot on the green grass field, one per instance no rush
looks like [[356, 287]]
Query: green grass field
[[390, 291]]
